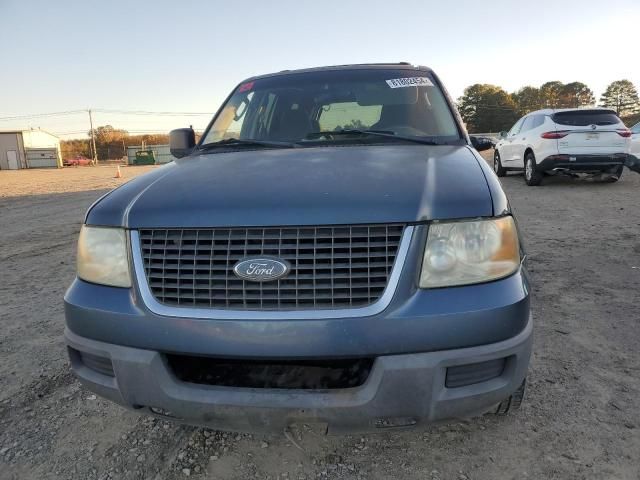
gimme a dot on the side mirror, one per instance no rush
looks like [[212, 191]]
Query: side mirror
[[503, 134], [481, 143], [181, 142]]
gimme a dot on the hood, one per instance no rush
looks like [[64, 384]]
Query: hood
[[305, 186]]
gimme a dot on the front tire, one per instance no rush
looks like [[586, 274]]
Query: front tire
[[497, 165], [531, 175], [513, 401]]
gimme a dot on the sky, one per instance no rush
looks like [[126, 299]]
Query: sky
[[186, 56]]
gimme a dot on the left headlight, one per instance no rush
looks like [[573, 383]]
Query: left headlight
[[102, 256], [467, 252]]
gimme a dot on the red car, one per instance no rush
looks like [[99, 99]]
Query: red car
[[79, 160]]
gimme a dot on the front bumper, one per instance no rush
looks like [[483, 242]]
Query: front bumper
[[412, 342], [401, 390], [582, 163]]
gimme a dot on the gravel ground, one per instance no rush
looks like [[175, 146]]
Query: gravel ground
[[579, 420]]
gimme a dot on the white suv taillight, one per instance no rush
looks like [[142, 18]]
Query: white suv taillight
[[556, 134], [624, 132]]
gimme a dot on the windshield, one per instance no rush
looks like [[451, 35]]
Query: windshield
[[308, 107]]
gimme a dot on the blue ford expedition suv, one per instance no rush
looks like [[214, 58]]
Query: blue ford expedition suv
[[333, 250]]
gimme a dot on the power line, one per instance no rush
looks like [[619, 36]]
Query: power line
[[149, 131], [144, 112], [106, 111], [38, 115], [165, 113]]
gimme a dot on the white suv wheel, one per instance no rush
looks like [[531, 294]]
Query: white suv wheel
[[531, 175], [528, 169], [497, 165]]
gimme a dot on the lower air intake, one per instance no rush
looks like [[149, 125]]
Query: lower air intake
[[285, 374]]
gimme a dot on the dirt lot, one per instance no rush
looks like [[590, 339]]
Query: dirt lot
[[580, 418]]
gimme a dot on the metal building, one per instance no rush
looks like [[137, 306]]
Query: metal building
[[29, 149]]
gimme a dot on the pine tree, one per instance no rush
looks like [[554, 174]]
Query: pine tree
[[622, 97], [576, 94], [551, 92], [528, 99], [487, 108]]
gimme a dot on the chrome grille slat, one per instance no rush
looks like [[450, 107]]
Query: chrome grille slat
[[332, 267]]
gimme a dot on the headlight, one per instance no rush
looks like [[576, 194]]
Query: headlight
[[102, 256], [462, 253]]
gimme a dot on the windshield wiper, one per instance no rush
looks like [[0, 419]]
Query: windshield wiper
[[378, 133], [238, 141]]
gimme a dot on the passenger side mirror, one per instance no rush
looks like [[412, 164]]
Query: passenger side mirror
[[182, 141], [503, 134], [481, 143]]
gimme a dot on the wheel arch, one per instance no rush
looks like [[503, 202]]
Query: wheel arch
[[526, 152]]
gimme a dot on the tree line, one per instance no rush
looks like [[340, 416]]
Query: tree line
[[488, 108], [111, 143]]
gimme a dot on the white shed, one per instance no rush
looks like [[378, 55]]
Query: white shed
[[29, 149]]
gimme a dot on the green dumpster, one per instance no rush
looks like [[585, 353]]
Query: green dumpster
[[145, 157]]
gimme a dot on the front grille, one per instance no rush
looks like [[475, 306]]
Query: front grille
[[331, 267]]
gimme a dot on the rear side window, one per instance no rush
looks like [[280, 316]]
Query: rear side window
[[516, 128], [537, 121], [583, 118], [528, 124]]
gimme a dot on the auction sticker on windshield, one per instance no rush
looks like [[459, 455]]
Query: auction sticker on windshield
[[409, 82]]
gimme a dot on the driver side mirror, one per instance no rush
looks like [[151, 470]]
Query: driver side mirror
[[181, 142], [503, 134], [481, 143]]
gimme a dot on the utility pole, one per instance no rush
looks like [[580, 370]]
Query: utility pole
[[94, 160]]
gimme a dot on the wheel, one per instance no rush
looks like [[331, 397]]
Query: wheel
[[531, 175], [513, 401], [497, 165]]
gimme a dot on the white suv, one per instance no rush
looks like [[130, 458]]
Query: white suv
[[568, 141], [635, 140]]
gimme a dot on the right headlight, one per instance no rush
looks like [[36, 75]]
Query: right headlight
[[102, 256], [467, 252]]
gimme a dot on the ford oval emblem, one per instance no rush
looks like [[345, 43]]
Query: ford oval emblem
[[261, 269]]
